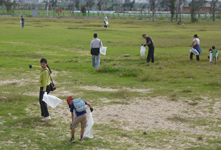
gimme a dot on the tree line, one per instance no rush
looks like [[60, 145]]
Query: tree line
[[173, 6]]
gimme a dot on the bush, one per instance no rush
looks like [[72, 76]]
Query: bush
[[123, 72]]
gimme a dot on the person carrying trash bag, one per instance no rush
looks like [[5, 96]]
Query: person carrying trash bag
[[78, 107], [44, 82], [105, 21], [96, 44], [196, 45], [150, 44]]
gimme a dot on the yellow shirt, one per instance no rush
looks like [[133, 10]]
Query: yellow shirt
[[44, 79]]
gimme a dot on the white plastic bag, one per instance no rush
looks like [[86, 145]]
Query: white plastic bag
[[103, 50], [88, 132], [51, 100], [20, 22], [142, 50], [194, 51], [106, 22]]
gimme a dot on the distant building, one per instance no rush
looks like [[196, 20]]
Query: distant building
[[203, 10]]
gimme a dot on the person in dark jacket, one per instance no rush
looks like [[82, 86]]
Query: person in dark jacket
[[150, 44]]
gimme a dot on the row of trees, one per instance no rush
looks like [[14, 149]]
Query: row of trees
[[174, 6]]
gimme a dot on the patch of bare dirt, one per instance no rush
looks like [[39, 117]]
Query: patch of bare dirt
[[153, 115], [97, 88], [20, 82]]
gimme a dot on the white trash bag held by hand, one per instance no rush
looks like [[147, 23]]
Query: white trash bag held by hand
[[194, 51], [142, 50], [51, 100], [103, 50], [88, 132]]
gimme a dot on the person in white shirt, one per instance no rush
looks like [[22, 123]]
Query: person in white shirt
[[96, 44], [196, 45], [105, 21]]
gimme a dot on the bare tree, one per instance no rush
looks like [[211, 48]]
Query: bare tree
[[89, 4], [179, 6], [119, 4], [213, 6], [201, 3], [193, 10], [71, 6], [143, 5], [171, 5], [100, 5], [153, 4]]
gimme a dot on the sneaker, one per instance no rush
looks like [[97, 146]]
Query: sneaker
[[72, 140], [46, 118], [81, 139]]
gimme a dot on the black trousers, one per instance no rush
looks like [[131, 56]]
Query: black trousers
[[43, 105], [105, 24], [197, 56], [150, 55]]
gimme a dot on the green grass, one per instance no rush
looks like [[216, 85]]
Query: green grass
[[65, 42]]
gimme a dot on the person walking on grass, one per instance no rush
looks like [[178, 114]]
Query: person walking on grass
[[196, 45], [214, 54], [150, 44], [22, 21], [96, 44], [78, 107], [44, 82], [105, 21]]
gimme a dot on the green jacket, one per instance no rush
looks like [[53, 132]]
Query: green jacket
[[44, 79]]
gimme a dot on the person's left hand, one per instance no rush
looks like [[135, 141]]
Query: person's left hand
[[91, 109], [44, 92]]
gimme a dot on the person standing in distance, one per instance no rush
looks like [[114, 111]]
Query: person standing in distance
[[105, 21], [22, 21], [44, 82], [96, 44], [150, 44]]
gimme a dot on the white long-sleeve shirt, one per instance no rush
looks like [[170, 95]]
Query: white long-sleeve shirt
[[96, 43]]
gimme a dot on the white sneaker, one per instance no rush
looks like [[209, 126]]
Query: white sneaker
[[46, 118]]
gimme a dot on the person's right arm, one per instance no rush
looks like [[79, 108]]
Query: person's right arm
[[35, 67]]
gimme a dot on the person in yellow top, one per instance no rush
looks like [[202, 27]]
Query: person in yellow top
[[44, 83]]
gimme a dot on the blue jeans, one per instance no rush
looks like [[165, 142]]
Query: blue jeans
[[96, 60], [23, 24]]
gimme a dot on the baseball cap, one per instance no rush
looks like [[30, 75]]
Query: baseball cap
[[69, 99]]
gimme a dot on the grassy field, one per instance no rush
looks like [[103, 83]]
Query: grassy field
[[175, 100]]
